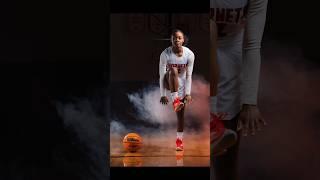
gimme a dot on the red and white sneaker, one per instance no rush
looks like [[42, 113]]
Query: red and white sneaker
[[177, 105], [220, 138], [179, 144]]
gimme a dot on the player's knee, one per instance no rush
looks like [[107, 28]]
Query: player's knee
[[173, 71]]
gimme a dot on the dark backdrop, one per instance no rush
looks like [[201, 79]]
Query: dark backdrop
[[59, 50]]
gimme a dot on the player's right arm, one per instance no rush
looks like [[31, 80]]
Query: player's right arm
[[162, 72]]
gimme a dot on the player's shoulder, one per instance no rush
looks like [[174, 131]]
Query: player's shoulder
[[166, 51], [188, 51]]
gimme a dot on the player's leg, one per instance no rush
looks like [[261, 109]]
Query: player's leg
[[180, 117], [173, 79], [179, 139], [180, 127], [173, 84]]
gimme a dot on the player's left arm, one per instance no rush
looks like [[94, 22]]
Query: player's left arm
[[189, 77], [250, 118]]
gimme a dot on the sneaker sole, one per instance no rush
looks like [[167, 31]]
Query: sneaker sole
[[226, 141]]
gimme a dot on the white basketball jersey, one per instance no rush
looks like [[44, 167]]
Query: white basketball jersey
[[184, 65], [229, 16]]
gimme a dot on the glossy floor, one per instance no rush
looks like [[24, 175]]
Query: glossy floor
[[159, 150]]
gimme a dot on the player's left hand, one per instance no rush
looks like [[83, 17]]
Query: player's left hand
[[187, 99], [250, 120]]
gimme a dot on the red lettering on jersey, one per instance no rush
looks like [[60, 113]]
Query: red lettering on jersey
[[221, 26], [229, 16], [220, 14], [179, 66], [238, 11], [211, 15]]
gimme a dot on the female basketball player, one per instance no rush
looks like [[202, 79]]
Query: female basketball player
[[175, 69], [240, 26]]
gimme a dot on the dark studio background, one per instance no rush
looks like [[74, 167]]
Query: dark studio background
[[288, 98], [137, 40], [59, 51], [52, 51]]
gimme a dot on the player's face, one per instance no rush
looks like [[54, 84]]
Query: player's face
[[177, 39]]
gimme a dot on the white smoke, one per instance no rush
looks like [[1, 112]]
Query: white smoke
[[117, 127], [90, 128], [148, 106]]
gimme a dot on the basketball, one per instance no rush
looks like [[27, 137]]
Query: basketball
[[132, 142]]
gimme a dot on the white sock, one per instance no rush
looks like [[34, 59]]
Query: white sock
[[180, 135], [174, 95], [213, 104]]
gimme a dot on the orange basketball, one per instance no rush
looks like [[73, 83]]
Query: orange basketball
[[132, 142]]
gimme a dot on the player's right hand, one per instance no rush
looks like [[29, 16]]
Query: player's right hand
[[164, 100], [250, 120]]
